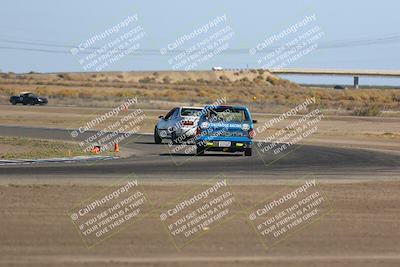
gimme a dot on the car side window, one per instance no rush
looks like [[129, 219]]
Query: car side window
[[169, 115]]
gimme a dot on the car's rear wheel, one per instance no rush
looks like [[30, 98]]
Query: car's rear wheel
[[157, 138], [200, 150], [248, 152]]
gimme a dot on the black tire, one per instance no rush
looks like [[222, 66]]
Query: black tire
[[174, 138], [13, 102], [248, 152], [200, 150], [157, 138]]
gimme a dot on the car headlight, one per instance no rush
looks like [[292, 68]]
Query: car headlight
[[204, 125], [245, 127]]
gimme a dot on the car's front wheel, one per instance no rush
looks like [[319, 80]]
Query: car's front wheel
[[14, 102], [200, 150], [174, 138], [157, 137], [248, 152]]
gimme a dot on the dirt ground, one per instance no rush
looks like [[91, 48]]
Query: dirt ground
[[361, 228]]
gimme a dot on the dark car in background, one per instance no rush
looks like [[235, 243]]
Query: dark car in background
[[28, 99], [339, 87]]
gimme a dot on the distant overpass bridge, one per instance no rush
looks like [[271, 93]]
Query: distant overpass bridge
[[355, 73]]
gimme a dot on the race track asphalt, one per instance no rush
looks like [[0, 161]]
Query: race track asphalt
[[149, 160]]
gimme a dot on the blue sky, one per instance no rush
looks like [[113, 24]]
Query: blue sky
[[61, 24]]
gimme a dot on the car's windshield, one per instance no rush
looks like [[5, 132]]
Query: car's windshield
[[29, 95], [191, 112], [227, 114]]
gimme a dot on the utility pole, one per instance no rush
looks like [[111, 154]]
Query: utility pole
[[356, 82]]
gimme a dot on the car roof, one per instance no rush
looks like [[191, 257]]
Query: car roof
[[193, 107]]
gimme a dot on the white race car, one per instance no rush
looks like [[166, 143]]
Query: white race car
[[178, 125]]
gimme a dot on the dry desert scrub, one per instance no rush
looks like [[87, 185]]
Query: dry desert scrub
[[257, 88]]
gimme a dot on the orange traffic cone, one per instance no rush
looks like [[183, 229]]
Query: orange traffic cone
[[96, 150], [116, 147]]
